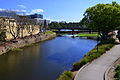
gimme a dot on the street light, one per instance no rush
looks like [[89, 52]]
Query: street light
[[98, 38]]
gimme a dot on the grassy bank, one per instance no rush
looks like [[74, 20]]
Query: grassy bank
[[87, 35], [16, 49], [48, 32], [66, 75], [93, 54], [117, 73]]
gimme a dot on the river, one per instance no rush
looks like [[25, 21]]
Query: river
[[45, 60]]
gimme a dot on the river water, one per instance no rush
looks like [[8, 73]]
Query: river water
[[45, 60]]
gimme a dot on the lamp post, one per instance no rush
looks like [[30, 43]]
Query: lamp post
[[97, 38], [97, 41]]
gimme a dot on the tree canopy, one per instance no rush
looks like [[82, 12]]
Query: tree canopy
[[64, 25], [102, 17]]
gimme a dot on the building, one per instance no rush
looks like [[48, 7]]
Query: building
[[40, 20], [7, 13], [33, 16], [12, 20]]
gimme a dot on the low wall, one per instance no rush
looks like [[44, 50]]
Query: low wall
[[24, 42]]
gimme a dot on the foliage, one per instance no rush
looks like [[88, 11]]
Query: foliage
[[102, 17], [55, 25], [117, 74], [93, 54], [66, 75], [118, 67], [87, 35]]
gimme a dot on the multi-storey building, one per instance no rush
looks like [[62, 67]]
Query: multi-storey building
[[40, 20]]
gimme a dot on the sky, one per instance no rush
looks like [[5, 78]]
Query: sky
[[54, 10]]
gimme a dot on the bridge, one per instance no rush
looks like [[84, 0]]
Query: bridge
[[73, 30]]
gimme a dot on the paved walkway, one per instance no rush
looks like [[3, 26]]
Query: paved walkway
[[96, 69]]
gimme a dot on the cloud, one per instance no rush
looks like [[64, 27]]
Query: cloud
[[1, 9], [23, 11], [51, 19], [20, 11], [37, 11], [22, 6]]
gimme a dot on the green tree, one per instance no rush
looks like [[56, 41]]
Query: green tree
[[64, 25], [103, 17], [54, 25]]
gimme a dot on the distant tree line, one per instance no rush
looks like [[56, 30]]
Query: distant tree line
[[53, 25]]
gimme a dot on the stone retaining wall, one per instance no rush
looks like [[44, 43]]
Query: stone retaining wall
[[24, 42]]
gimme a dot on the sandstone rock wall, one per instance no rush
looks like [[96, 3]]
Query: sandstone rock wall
[[24, 42]]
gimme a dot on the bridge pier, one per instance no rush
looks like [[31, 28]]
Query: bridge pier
[[90, 31], [72, 31], [59, 30]]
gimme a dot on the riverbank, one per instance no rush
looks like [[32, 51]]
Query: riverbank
[[18, 43], [88, 35], [90, 56]]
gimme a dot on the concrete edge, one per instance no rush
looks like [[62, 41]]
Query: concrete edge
[[105, 77], [108, 69], [81, 69]]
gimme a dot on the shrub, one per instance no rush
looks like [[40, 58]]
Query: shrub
[[78, 65], [117, 75], [108, 41], [94, 56], [66, 75], [118, 67]]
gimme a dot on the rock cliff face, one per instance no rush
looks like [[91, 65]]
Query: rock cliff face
[[24, 42]]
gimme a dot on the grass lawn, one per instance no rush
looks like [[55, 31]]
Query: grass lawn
[[48, 32], [87, 35]]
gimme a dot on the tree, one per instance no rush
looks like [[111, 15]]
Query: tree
[[58, 25], [103, 17]]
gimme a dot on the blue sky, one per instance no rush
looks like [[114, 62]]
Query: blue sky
[[58, 10]]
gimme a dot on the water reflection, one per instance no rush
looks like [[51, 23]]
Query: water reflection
[[44, 61]]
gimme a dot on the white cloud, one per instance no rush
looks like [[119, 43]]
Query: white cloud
[[1, 9], [20, 10], [51, 19], [22, 6], [28, 13], [37, 11], [23, 11]]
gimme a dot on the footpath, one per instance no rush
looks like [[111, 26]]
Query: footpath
[[97, 68]]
